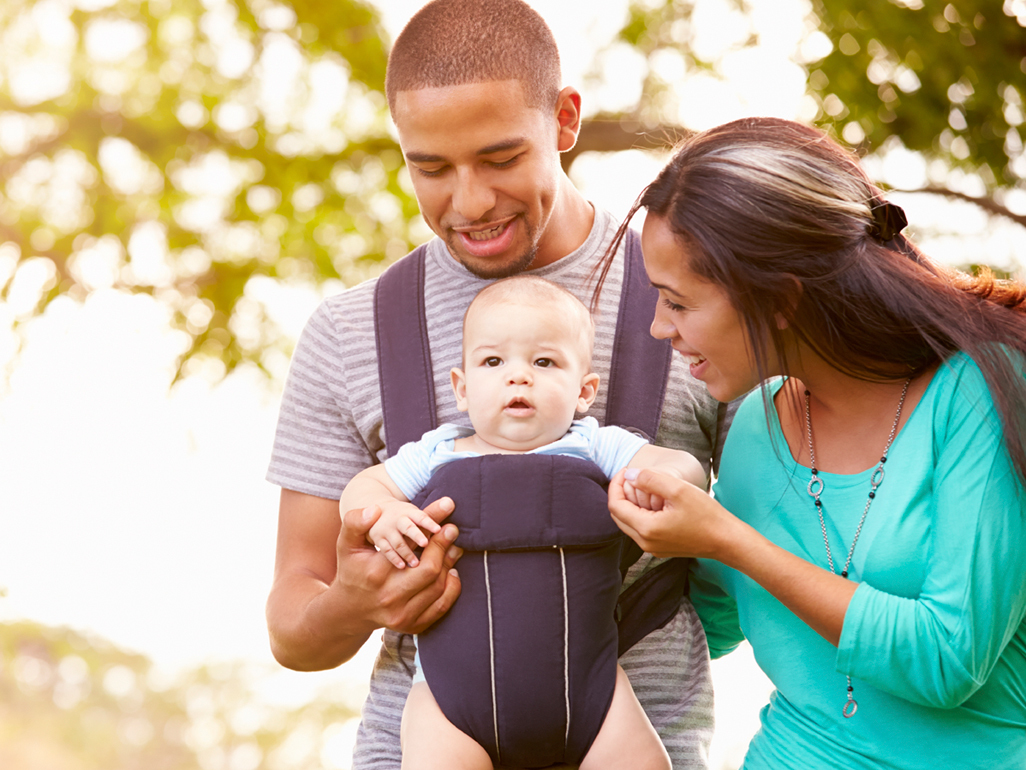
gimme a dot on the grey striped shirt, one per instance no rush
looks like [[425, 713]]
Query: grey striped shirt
[[330, 428]]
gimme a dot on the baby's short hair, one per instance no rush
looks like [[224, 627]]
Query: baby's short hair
[[532, 290], [454, 42]]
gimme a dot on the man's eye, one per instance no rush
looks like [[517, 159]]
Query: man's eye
[[430, 171], [492, 361], [544, 362], [504, 163]]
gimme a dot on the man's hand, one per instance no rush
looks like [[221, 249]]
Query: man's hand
[[332, 589], [407, 601]]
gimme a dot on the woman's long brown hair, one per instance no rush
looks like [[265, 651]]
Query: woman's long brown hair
[[779, 216]]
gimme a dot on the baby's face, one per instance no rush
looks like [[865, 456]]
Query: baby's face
[[526, 373]]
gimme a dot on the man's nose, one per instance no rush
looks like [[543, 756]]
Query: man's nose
[[473, 198]]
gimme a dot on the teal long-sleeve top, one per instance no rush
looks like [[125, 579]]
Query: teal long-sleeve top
[[934, 637]]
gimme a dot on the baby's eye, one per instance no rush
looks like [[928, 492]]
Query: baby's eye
[[493, 361], [544, 362]]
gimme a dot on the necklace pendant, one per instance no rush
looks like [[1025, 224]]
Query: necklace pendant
[[850, 707]]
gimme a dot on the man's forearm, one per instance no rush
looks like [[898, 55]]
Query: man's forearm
[[310, 628]]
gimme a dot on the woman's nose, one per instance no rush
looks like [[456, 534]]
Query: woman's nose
[[662, 328]]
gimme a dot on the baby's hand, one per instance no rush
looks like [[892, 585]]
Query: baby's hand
[[650, 502], [400, 524]]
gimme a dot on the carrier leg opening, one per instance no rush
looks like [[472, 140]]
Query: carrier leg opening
[[627, 740], [431, 742]]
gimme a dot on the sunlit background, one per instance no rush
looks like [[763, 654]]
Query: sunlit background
[[134, 516]]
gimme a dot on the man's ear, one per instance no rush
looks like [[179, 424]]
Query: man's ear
[[568, 116], [589, 389], [459, 387]]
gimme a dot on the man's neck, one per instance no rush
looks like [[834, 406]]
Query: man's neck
[[568, 227]]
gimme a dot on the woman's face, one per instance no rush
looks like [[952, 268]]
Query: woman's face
[[696, 316]]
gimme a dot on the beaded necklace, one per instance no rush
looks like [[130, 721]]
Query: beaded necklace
[[815, 489]]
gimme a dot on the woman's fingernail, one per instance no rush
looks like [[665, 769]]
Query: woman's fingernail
[[631, 474]]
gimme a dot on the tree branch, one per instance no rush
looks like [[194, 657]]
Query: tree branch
[[612, 134], [989, 205]]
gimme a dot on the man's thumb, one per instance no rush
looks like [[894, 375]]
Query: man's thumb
[[357, 523]]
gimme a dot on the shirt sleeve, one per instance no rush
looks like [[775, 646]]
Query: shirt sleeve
[[613, 447], [938, 648], [715, 607], [317, 445], [410, 468]]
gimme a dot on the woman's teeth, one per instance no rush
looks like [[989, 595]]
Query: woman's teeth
[[694, 359]]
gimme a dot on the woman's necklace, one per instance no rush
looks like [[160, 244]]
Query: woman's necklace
[[816, 489]]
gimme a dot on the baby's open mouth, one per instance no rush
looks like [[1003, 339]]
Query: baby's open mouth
[[518, 403]]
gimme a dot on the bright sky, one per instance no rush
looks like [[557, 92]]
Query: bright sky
[[143, 515]]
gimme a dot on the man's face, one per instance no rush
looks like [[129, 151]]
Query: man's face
[[526, 374], [485, 169]]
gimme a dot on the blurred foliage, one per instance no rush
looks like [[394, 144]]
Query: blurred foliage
[[207, 152], [190, 149], [947, 79], [71, 702]]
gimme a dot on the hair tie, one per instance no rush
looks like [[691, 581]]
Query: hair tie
[[888, 220]]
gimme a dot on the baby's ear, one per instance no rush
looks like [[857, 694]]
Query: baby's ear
[[459, 387], [589, 389]]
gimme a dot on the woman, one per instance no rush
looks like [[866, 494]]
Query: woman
[[868, 534]]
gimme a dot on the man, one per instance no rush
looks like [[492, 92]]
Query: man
[[474, 90]]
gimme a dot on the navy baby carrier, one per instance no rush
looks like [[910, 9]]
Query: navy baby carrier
[[525, 661]]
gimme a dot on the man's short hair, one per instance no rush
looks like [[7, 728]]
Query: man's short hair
[[454, 42]]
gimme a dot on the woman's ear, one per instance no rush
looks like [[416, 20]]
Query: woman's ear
[[792, 296]]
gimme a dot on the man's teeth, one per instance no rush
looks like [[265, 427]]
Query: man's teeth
[[694, 359], [485, 235]]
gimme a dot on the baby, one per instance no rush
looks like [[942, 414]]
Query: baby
[[526, 373]]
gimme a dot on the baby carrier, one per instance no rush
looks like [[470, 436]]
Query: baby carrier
[[525, 661]]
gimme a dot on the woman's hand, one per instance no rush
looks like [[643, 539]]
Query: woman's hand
[[691, 523], [688, 523]]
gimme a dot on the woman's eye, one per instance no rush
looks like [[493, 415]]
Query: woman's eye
[[673, 307], [493, 361]]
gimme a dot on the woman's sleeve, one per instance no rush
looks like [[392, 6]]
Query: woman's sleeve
[[715, 607], [939, 648]]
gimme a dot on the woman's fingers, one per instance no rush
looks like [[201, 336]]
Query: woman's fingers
[[652, 482]]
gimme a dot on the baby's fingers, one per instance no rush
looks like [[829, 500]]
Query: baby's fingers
[[422, 521], [385, 549], [409, 528]]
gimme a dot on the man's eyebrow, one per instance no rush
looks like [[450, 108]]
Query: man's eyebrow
[[508, 144], [503, 146]]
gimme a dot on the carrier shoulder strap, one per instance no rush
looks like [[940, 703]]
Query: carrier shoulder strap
[[405, 376], [641, 363]]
